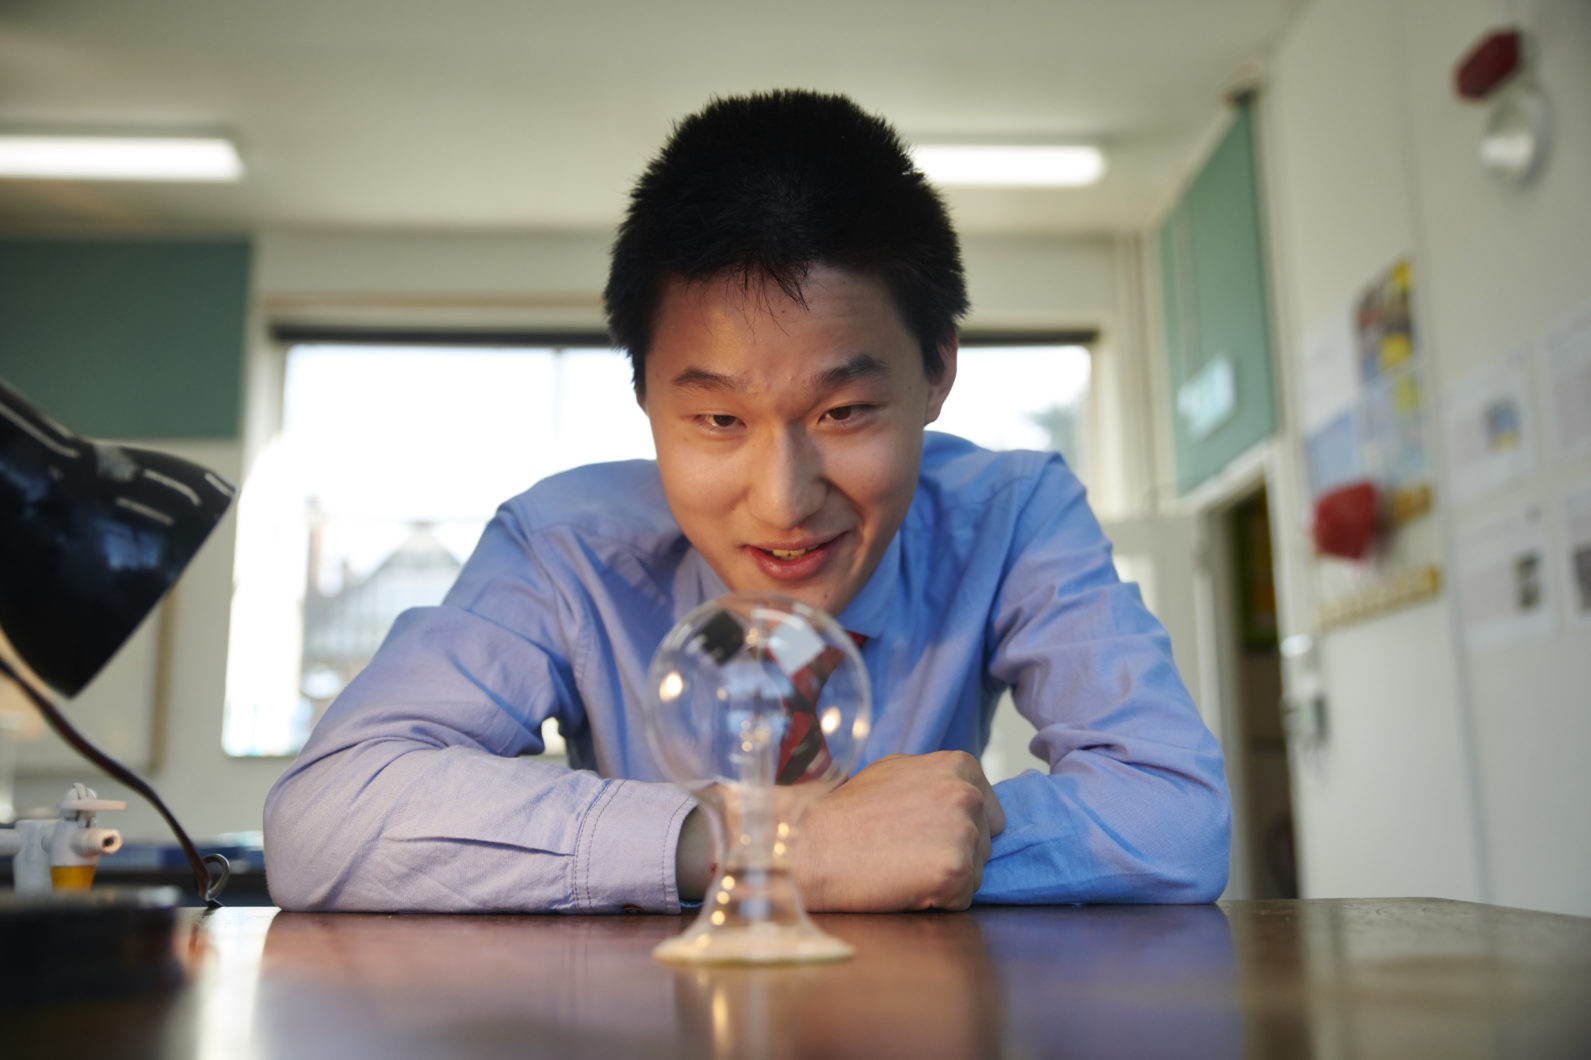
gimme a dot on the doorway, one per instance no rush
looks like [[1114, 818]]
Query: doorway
[[1256, 744]]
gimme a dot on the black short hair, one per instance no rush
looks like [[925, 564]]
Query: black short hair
[[770, 185]]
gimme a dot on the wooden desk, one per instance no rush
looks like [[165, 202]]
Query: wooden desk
[[1402, 977]]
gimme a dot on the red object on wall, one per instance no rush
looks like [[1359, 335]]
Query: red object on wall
[[1346, 520], [1488, 64]]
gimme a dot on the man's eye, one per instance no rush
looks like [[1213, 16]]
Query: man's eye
[[719, 421], [844, 412]]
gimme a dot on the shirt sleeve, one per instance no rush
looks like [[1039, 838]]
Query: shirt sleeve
[[1134, 807], [412, 792]]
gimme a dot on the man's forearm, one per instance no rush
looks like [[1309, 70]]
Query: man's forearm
[[387, 825], [1101, 830]]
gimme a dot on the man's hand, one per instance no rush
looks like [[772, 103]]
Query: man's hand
[[907, 832]]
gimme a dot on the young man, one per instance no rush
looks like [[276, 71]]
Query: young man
[[788, 289]]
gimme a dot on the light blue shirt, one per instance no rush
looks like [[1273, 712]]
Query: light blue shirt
[[419, 790]]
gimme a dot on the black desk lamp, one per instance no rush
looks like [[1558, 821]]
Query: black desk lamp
[[91, 537]]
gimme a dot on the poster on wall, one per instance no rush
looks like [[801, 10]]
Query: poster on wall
[[1566, 375], [1488, 434], [1503, 582], [1576, 512], [1361, 404], [1392, 429], [1384, 325]]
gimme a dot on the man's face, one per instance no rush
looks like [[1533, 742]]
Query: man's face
[[789, 438]]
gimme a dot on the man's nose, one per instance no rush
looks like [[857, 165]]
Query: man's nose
[[787, 484]]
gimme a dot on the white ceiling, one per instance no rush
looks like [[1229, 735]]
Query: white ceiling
[[515, 115]]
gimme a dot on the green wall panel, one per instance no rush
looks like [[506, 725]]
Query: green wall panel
[[1212, 256], [127, 338]]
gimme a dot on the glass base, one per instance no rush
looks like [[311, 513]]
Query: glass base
[[764, 944], [752, 916]]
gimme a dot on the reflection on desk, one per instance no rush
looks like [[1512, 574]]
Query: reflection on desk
[[1328, 978]]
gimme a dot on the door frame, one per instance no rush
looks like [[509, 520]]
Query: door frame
[[1217, 609]]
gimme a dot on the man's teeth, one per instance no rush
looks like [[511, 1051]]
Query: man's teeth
[[788, 553]]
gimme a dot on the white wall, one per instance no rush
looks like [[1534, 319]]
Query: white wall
[[551, 280], [1445, 772], [556, 278]]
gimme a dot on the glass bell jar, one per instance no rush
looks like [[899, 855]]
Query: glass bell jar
[[758, 706]]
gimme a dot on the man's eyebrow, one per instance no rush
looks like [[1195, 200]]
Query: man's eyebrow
[[857, 367], [860, 366], [702, 379]]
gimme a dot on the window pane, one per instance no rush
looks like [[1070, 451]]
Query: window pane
[[1019, 397], [388, 465]]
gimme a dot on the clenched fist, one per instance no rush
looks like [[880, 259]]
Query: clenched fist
[[907, 832]]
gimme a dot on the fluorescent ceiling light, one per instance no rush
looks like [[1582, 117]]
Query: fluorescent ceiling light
[[120, 158], [1009, 165]]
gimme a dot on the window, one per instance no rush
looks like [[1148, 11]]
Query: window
[[390, 461], [1022, 397]]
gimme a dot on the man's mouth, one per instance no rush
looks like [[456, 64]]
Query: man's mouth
[[794, 564]]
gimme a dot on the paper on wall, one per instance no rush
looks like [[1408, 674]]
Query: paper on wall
[[1332, 454], [1489, 434], [1359, 402], [1391, 417], [1566, 375], [1392, 430], [1576, 510], [1327, 381], [1503, 583]]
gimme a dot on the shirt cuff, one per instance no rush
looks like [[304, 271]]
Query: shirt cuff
[[624, 854]]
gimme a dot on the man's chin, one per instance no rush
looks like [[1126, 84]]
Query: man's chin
[[829, 588], [826, 597]]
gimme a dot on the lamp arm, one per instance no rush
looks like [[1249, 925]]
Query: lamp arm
[[209, 887]]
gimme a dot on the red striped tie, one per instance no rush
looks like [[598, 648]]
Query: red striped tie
[[803, 754]]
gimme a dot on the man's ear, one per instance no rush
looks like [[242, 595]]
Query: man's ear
[[939, 389], [640, 398]]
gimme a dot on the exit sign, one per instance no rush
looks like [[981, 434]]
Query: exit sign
[[1208, 398]]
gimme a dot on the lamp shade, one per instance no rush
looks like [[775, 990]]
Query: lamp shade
[[91, 536]]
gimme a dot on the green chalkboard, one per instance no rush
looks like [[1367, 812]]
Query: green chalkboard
[[127, 339], [1218, 347]]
